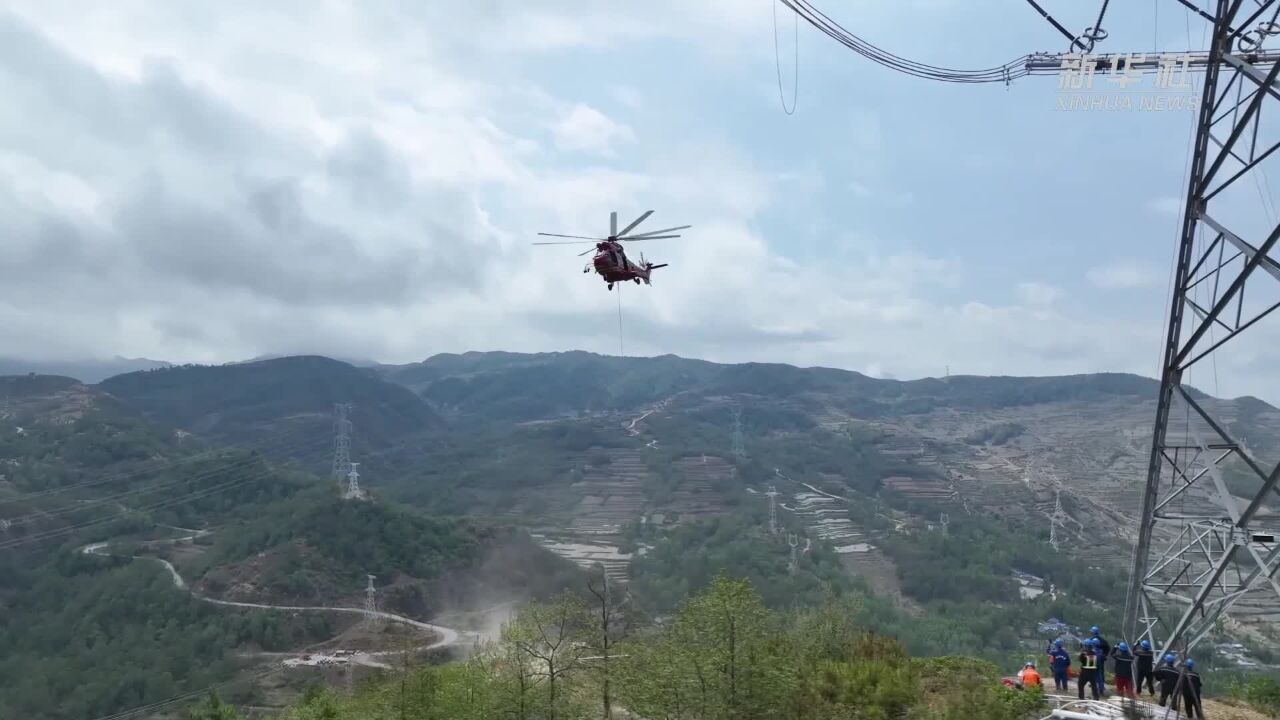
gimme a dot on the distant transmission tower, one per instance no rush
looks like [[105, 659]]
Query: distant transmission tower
[[352, 490], [773, 510], [370, 604], [943, 521], [739, 450], [341, 442], [794, 542], [1055, 519]]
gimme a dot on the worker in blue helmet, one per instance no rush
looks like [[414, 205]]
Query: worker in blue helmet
[[1103, 649], [1144, 667], [1191, 685], [1060, 664], [1167, 676], [1123, 660], [1088, 670]]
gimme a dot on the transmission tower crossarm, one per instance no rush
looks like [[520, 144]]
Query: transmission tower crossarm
[[1197, 60]]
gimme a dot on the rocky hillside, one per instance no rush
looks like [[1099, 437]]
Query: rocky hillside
[[1007, 447]]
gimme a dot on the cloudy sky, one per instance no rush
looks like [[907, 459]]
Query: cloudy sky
[[196, 181]]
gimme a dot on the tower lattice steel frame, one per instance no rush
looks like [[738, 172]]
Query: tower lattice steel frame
[[1206, 541]]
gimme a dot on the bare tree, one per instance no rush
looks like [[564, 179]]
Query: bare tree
[[552, 635], [609, 630]]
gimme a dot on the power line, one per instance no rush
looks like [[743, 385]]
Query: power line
[[1057, 25], [777, 61], [1002, 73], [1025, 65]]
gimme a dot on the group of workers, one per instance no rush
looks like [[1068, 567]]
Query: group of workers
[[1175, 683]]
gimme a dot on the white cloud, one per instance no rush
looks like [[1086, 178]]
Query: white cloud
[[1167, 205], [1036, 293], [1123, 275], [203, 182], [584, 128]]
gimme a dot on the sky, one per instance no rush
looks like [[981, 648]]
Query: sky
[[207, 182]]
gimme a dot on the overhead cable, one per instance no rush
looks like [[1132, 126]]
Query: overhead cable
[[1002, 73]]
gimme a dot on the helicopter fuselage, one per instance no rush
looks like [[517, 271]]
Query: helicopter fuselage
[[613, 266]]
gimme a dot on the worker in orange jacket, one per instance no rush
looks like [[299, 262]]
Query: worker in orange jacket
[[1029, 677]]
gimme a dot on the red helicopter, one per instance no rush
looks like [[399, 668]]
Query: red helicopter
[[610, 260]]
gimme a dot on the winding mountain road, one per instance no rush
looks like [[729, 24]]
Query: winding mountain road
[[447, 636]]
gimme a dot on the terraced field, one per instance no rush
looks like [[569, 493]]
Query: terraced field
[[611, 495]]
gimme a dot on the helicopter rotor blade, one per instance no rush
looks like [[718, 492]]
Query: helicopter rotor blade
[[584, 252], [580, 237], [566, 242], [647, 237], [658, 232], [613, 223], [632, 226]]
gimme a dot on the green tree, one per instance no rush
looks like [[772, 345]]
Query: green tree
[[725, 634], [213, 709]]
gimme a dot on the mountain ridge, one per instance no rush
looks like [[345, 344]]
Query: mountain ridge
[[240, 402], [527, 386]]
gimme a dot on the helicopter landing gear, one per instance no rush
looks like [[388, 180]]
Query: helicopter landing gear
[[637, 280], [610, 286]]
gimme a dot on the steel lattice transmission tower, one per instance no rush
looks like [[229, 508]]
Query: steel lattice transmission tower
[[794, 563], [1055, 518], [1199, 550], [352, 490], [341, 442], [370, 604], [772, 494]]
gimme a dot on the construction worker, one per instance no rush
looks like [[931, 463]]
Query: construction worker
[[1103, 648], [1029, 677], [1167, 676], [1123, 660], [1060, 664], [1145, 657], [1088, 670], [1191, 691]]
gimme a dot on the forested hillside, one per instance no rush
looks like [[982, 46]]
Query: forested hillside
[[244, 402], [316, 548], [88, 480], [919, 509]]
